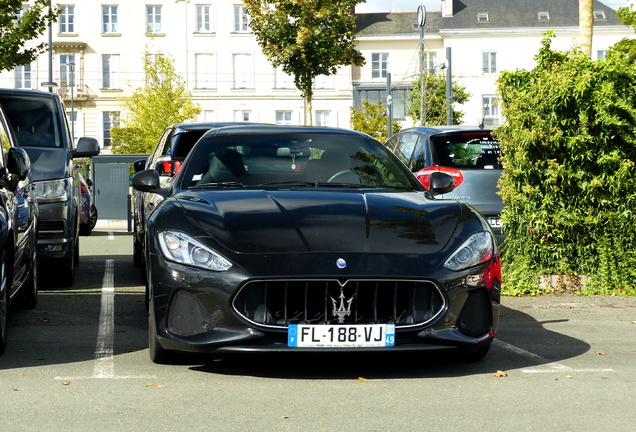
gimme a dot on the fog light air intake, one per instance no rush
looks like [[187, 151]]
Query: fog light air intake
[[188, 316]]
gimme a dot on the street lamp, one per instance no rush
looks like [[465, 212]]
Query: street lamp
[[421, 20], [72, 84]]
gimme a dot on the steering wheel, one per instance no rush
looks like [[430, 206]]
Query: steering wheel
[[344, 173]]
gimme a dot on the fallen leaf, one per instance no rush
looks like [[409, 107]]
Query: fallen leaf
[[633, 322], [568, 307], [129, 351], [569, 376], [65, 383], [500, 374], [16, 389], [589, 331], [360, 379], [601, 353], [156, 385], [38, 359], [284, 417], [44, 320], [120, 331]]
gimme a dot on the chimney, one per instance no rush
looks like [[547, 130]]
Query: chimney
[[447, 8]]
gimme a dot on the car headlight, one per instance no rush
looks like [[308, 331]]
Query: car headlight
[[478, 249], [51, 190], [181, 248]]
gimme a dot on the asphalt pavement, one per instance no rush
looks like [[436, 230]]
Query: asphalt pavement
[[79, 362]]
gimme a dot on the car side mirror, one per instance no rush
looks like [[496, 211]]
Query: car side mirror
[[441, 183], [148, 181], [139, 165], [18, 162], [86, 147]]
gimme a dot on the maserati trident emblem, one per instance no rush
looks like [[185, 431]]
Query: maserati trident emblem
[[341, 263], [341, 310]]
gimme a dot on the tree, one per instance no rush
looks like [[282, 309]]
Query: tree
[[586, 23], [18, 26], [163, 101], [435, 105], [307, 38], [371, 119]]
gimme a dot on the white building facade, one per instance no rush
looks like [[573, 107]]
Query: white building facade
[[98, 50]]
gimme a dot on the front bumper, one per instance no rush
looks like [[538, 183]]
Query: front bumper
[[55, 233], [193, 312]]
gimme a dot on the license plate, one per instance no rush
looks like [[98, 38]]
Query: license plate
[[495, 222], [326, 336]]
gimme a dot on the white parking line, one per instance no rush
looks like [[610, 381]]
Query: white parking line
[[554, 367], [104, 365]]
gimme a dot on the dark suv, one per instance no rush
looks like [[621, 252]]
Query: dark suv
[[468, 153], [41, 128]]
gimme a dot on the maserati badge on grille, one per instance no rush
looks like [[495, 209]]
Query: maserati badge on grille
[[341, 310], [341, 263]]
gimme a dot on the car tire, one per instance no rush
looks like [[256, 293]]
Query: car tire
[[29, 293], [477, 355], [156, 352], [84, 230], [92, 218], [67, 268], [4, 301], [137, 258]]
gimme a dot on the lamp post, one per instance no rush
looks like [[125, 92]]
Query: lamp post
[[72, 83], [421, 20]]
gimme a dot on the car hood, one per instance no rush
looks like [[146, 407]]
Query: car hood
[[257, 221], [47, 163]]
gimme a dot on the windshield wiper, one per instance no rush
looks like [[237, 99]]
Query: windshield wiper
[[217, 185], [320, 184]]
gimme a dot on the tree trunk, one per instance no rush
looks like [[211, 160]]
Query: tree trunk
[[586, 22]]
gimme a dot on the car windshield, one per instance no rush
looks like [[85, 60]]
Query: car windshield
[[471, 150], [34, 120], [293, 160]]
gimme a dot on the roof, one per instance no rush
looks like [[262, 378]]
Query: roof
[[501, 14]]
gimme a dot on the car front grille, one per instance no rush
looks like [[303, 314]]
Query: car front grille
[[52, 228], [279, 303]]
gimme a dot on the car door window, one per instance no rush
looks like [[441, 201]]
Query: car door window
[[406, 147]]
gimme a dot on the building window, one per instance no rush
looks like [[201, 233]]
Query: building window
[[324, 82], [482, 17], [205, 70], [241, 19], [544, 16], [153, 16], [489, 62], [379, 65], [243, 71], [21, 12], [23, 77], [322, 118], [600, 54], [375, 94], [283, 117], [109, 19], [491, 110], [204, 18], [283, 80], [110, 120], [67, 70], [110, 71], [205, 116], [599, 15], [67, 19], [242, 115], [430, 61]]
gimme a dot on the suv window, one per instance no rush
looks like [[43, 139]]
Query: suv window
[[35, 121], [472, 150]]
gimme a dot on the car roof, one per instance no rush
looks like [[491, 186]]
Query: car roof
[[17, 92], [439, 130], [203, 126], [282, 129]]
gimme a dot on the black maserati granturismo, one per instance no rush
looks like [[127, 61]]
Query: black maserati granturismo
[[276, 238]]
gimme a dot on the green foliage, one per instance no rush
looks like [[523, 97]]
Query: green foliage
[[435, 107], [306, 38], [370, 119], [569, 156], [163, 101], [14, 33]]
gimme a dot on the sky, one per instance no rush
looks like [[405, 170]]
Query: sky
[[432, 5]]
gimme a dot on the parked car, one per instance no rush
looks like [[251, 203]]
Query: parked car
[[88, 211], [275, 238], [41, 128], [18, 230], [469, 154], [167, 157]]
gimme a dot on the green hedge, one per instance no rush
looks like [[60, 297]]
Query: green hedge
[[569, 144]]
